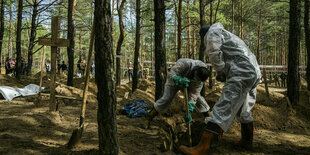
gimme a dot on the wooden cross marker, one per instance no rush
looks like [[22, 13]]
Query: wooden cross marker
[[54, 42]]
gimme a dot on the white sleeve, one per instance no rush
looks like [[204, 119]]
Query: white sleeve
[[213, 42]]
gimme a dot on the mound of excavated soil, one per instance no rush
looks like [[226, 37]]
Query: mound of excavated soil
[[25, 128]]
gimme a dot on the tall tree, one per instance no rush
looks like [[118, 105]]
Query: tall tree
[[307, 38], [137, 48], [32, 37], [202, 22], [202, 46], [18, 38], [71, 36], [106, 116], [294, 48], [232, 16], [1, 27], [179, 15], [189, 54], [120, 40], [211, 22], [160, 49], [259, 33]]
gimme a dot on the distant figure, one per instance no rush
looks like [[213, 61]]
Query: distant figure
[[63, 66], [7, 66], [81, 66], [12, 63], [130, 72], [93, 67], [283, 79], [24, 66], [47, 66], [276, 80]]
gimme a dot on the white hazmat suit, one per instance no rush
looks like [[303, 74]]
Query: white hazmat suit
[[183, 68], [230, 55]]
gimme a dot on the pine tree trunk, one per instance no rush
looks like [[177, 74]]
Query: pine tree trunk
[[106, 116], [307, 38], [71, 36], [202, 22], [120, 41], [33, 32], [188, 31], [179, 29], [211, 22], [137, 48], [259, 33], [160, 51], [18, 39], [1, 26], [232, 16], [293, 59]]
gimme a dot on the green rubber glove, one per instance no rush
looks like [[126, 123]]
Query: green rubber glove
[[191, 107], [179, 81]]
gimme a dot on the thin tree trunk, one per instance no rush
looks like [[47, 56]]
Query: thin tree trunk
[[259, 33], [193, 55], [307, 38], [160, 50], [106, 116], [239, 18], [232, 16], [202, 47], [10, 53], [18, 39], [211, 22], [71, 36], [1, 27], [137, 48], [120, 41], [293, 59], [176, 34], [179, 29], [188, 31], [33, 33]]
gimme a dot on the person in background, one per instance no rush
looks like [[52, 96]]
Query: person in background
[[63, 66], [283, 79], [7, 66], [47, 66], [276, 80]]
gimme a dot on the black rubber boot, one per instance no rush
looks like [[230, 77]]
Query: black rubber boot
[[246, 141]]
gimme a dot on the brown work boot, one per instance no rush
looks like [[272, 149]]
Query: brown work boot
[[149, 118], [210, 138], [246, 141]]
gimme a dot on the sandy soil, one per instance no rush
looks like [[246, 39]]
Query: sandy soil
[[28, 129]]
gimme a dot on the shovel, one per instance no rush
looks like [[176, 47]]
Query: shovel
[[77, 133], [187, 113]]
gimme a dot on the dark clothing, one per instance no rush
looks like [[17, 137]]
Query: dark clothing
[[63, 67], [283, 79], [7, 67]]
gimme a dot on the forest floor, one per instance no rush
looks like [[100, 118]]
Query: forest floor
[[28, 129]]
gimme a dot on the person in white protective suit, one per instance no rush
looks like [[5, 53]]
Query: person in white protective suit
[[185, 73], [237, 65]]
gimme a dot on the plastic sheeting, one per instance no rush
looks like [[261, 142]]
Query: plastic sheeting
[[9, 93]]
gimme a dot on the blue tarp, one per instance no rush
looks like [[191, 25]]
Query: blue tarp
[[136, 108]]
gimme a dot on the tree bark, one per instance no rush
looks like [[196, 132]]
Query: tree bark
[[137, 48], [202, 46], [232, 16], [260, 22], [71, 36], [1, 27], [120, 41], [293, 59], [211, 22], [160, 51], [179, 29], [10, 54], [188, 31], [307, 38], [202, 22], [32, 37], [18, 38], [106, 116]]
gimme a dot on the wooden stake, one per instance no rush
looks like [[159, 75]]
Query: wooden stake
[[187, 112]]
